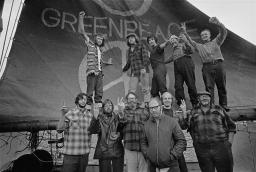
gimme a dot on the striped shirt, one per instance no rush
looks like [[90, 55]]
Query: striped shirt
[[93, 59], [133, 127], [77, 140], [212, 126]]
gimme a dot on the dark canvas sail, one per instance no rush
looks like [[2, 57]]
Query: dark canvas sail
[[46, 66]]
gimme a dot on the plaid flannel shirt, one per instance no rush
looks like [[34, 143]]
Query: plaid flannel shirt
[[212, 126], [133, 127], [77, 139], [137, 59]]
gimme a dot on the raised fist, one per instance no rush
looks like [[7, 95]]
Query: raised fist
[[82, 13], [214, 20]]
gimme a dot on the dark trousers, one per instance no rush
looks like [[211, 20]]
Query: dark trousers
[[158, 81], [215, 74], [111, 165], [94, 83], [174, 167], [215, 155], [184, 71], [75, 163], [182, 164]]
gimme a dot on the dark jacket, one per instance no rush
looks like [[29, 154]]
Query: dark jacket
[[107, 128], [163, 143]]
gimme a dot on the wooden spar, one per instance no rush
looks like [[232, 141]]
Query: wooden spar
[[30, 126], [245, 114]]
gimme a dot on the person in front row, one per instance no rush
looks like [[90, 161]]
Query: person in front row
[[163, 142], [212, 131], [77, 140], [170, 108], [109, 149], [133, 115]]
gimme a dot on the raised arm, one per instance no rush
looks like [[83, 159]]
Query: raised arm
[[81, 27], [222, 30], [164, 44], [63, 123], [190, 41]]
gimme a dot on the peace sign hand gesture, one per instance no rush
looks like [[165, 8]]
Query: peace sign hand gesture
[[183, 106], [120, 104], [183, 27]]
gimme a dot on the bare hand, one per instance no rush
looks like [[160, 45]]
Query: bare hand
[[214, 20], [143, 71], [64, 110], [183, 27], [96, 111], [183, 38], [183, 106], [120, 104], [82, 13]]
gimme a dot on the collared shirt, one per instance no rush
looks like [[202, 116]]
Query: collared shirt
[[133, 127], [77, 139], [210, 51], [212, 126], [137, 59]]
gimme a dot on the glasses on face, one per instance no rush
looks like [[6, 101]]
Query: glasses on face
[[154, 107]]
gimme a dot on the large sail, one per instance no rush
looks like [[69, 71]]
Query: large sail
[[46, 64]]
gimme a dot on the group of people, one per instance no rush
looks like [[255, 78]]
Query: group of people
[[148, 135]]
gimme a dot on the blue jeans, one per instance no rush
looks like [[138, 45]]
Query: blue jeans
[[214, 155], [75, 163]]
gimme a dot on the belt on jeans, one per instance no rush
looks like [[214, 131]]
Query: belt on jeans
[[213, 62]]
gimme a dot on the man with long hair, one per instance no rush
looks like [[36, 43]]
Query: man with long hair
[[77, 140], [94, 59], [138, 62]]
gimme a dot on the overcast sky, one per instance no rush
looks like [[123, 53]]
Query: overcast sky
[[238, 16]]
